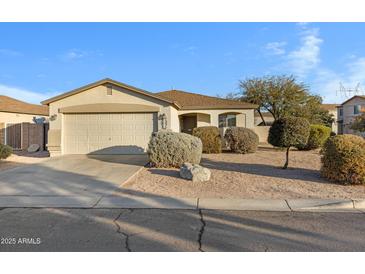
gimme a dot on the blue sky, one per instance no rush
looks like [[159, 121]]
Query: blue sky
[[39, 60]]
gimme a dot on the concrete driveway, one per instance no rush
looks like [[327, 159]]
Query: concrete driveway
[[71, 175]]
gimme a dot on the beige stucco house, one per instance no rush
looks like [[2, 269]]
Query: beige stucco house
[[110, 117], [347, 111], [14, 112]]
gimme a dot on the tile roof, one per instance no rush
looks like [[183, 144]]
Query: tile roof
[[329, 106], [356, 96], [8, 104], [193, 101]]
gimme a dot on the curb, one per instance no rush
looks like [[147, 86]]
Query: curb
[[134, 175], [131, 202], [243, 204]]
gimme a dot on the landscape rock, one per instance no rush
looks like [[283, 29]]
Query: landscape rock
[[196, 173], [33, 148]]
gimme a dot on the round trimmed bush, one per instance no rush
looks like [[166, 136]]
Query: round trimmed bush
[[318, 135], [241, 140], [343, 159], [210, 137], [5, 151], [173, 149], [288, 132]]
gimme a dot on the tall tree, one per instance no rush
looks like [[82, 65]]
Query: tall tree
[[312, 110], [283, 96]]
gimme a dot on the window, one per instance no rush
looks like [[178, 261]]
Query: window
[[357, 109], [227, 120], [341, 112]]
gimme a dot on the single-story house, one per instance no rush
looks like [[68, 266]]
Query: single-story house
[[12, 114], [110, 117]]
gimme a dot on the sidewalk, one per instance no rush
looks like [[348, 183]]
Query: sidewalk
[[297, 205]]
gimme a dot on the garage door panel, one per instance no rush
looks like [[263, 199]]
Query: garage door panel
[[116, 133]]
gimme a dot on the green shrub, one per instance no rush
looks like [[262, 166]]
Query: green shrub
[[343, 159], [288, 132], [172, 149], [5, 151], [318, 135], [210, 137], [241, 140]]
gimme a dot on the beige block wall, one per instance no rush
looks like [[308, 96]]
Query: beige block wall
[[2, 133], [99, 95], [262, 132], [7, 117]]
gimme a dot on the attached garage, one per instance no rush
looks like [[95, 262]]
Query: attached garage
[[108, 133], [105, 117]]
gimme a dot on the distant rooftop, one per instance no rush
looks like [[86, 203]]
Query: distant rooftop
[[329, 107], [8, 104]]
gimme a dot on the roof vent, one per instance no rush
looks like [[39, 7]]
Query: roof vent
[[109, 90]]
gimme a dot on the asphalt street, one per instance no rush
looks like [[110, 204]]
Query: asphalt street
[[51, 229]]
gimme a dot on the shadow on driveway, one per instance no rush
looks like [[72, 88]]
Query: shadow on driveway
[[71, 175]]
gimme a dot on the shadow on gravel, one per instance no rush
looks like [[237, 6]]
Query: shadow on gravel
[[165, 172], [266, 170]]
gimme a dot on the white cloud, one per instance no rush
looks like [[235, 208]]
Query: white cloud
[[276, 48], [191, 50], [75, 54], [327, 81], [307, 57], [9, 52], [23, 94], [305, 63]]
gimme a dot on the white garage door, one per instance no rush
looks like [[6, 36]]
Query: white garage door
[[108, 133]]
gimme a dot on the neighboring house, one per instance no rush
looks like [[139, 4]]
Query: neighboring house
[[109, 117], [14, 112], [347, 111], [332, 109], [269, 119]]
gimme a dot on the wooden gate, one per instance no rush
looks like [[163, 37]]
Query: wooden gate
[[21, 136], [13, 135]]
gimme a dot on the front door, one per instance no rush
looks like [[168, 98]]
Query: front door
[[188, 124]]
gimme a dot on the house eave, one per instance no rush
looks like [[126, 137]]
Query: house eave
[[104, 82]]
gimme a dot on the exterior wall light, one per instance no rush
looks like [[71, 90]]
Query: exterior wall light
[[53, 117]]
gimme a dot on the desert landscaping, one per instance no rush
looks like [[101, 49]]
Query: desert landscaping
[[257, 175]]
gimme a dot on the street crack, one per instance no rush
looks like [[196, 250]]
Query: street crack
[[287, 203], [119, 231], [202, 229]]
